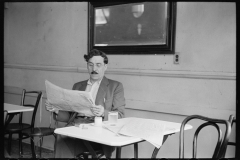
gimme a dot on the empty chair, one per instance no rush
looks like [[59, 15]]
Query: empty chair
[[232, 120], [222, 142], [39, 132], [17, 128]]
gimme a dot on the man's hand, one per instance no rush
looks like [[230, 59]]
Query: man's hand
[[50, 107], [97, 110]]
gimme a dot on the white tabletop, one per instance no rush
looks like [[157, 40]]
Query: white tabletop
[[11, 108], [104, 136]]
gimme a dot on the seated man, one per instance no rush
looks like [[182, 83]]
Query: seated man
[[108, 96]]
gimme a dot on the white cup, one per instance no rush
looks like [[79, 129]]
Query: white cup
[[98, 121]]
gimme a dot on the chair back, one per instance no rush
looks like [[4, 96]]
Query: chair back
[[232, 121], [25, 93], [221, 145]]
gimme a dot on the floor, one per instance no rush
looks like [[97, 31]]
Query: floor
[[27, 150]]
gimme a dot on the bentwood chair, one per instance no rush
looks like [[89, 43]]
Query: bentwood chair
[[232, 120], [17, 128], [39, 132], [222, 142]]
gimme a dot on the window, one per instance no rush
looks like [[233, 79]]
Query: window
[[132, 28]]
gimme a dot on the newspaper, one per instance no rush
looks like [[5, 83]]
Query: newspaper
[[148, 129], [116, 128], [69, 100]]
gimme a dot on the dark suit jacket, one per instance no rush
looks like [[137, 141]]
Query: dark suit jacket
[[109, 90]]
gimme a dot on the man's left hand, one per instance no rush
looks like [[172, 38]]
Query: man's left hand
[[97, 110]]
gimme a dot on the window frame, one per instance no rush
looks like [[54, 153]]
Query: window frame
[[169, 48]]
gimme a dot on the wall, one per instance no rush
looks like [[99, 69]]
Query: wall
[[47, 41]]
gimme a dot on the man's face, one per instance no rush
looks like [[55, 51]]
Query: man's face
[[96, 68]]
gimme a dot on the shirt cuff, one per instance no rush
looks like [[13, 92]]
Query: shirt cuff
[[56, 111]]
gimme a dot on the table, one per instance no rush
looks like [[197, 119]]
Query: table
[[101, 135], [12, 108]]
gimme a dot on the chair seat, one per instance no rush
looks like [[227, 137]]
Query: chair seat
[[39, 131], [16, 127]]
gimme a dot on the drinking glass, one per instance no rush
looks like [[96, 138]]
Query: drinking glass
[[112, 118]]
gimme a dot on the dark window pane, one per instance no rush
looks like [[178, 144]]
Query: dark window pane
[[146, 26], [131, 24]]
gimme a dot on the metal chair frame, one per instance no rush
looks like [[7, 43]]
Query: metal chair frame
[[19, 127], [232, 120], [40, 132], [221, 145]]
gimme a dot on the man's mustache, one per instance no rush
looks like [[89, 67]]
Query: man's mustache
[[93, 72]]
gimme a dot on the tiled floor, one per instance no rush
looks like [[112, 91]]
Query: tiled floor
[[27, 150]]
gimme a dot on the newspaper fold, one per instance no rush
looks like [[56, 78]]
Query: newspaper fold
[[148, 129], [69, 100]]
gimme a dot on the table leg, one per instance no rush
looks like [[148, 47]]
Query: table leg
[[55, 144], [89, 147], [155, 152], [6, 155], [135, 150], [9, 118], [118, 152]]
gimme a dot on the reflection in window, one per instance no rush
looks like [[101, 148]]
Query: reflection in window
[[134, 28], [131, 24], [138, 10], [101, 15]]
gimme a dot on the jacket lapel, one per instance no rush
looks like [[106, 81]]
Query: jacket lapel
[[83, 86]]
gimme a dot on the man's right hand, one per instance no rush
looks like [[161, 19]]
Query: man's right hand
[[50, 107]]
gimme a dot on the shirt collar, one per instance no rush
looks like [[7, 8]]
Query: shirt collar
[[90, 83]]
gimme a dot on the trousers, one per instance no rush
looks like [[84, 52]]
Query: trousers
[[68, 147]]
